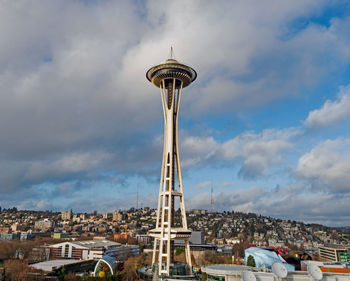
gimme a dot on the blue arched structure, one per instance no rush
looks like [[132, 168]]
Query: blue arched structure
[[109, 261]]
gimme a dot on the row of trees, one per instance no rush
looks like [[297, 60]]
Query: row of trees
[[8, 248]]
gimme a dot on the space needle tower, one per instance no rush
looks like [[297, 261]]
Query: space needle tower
[[170, 77]]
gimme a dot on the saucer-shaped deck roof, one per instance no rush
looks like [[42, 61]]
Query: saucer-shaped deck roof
[[171, 69]]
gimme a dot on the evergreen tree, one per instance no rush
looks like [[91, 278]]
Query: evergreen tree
[[251, 261]]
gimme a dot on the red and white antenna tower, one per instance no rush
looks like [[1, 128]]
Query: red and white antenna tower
[[211, 199], [137, 197]]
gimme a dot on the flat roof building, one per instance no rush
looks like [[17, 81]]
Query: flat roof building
[[52, 264], [92, 249], [338, 253], [44, 225], [67, 215]]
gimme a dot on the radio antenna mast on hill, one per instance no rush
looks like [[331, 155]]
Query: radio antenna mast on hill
[[137, 197], [211, 199]]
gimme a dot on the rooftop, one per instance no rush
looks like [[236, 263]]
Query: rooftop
[[97, 243], [336, 246], [52, 264], [90, 244]]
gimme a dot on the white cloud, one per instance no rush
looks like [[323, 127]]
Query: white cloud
[[327, 166], [224, 184], [196, 150], [203, 185], [74, 99], [37, 205], [331, 112], [258, 151], [215, 185]]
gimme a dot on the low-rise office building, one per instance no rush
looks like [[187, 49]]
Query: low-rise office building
[[66, 216], [338, 253], [44, 225], [92, 249]]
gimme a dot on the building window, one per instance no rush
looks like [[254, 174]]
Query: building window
[[59, 251], [66, 250]]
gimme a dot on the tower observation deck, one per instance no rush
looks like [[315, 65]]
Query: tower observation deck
[[171, 77]]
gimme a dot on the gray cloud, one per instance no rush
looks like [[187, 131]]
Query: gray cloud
[[240, 200], [208, 184], [107, 204], [310, 207], [75, 104]]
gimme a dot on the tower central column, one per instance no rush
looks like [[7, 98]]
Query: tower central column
[[170, 77]]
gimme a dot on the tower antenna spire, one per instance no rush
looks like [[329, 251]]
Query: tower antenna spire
[[171, 54]]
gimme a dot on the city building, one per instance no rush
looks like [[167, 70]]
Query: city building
[[107, 216], [143, 238], [77, 218], [16, 227], [44, 225], [339, 253], [331, 266], [199, 211], [9, 236], [66, 216], [197, 244], [118, 236], [58, 235], [117, 216], [29, 235], [69, 265], [92, 249], [5, 229]]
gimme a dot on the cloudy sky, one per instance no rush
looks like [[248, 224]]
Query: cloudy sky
[[266, 123]]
